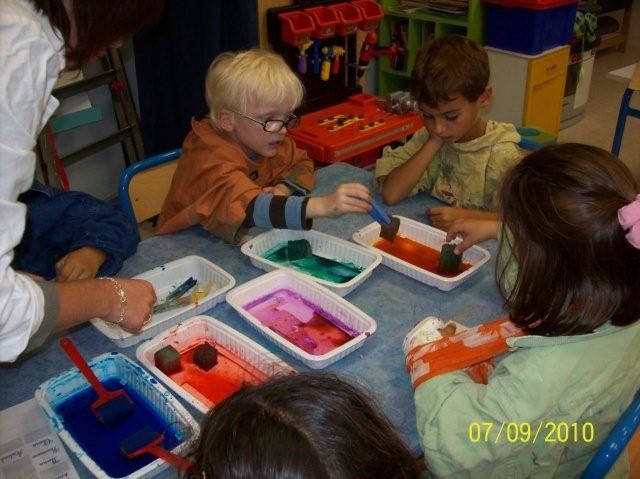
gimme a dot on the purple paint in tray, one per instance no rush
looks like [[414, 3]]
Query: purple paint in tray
[[301, 322]]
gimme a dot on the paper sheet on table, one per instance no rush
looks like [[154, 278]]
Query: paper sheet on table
[[29, 448]]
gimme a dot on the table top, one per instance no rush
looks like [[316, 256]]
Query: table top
[[623, 74], [395, 301]]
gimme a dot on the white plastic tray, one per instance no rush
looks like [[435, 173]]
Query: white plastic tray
[[318, 295], [429, 236], [202, 328], [322, 245], [56, 390], [164, 279]]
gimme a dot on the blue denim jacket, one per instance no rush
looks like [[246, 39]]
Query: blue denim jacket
[[59, 222]]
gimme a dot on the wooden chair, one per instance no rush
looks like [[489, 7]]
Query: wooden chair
[[626, 110], [144, 185]]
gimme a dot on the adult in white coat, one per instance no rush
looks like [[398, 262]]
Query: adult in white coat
[[38, 39]]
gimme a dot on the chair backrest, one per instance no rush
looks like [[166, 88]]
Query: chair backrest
[[616, 441], [634, 83], [144, 185]]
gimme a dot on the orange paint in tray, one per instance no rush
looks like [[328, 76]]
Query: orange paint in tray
[[221, 381], [417, 254]]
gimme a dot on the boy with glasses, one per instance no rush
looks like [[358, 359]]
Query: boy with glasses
[[238, 167]]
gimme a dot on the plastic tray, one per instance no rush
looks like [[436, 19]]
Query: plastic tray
[[206, 327], [323, 245], [429, 236], [165, 278], [58, 389], [314, 293]]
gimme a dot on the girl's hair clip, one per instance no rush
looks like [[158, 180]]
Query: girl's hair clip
[[629, 219]]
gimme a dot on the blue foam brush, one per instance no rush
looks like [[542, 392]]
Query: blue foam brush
[[111, 406]]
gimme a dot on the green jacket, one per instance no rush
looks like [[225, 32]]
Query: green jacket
[[467, 174], [546, 381]]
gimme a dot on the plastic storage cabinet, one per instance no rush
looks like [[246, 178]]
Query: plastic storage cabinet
[[529, 26], [528, 89], [412, 30]]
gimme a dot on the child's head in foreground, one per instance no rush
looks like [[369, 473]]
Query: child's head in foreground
[[302, 426], [577, 266], [252, 95], [450, 83]]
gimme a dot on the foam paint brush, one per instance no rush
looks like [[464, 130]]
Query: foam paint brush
[[298, 249], [111, 406], [148, 441], [449, 261], [389, 225]]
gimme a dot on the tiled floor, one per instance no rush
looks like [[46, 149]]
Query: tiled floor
[[598, 124]]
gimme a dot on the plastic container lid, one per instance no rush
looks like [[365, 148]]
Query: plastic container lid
[[329, 302], [323, 245], [164, 279], [115, 365], [206, 328], [429, 236]]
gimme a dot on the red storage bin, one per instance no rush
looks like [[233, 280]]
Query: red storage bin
[[371, 14], [297, 27], [325, 21], [349, 17]]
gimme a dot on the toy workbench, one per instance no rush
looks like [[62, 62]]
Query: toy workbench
[[353, 131]]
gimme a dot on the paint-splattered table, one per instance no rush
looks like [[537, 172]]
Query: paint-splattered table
[[393, 300]]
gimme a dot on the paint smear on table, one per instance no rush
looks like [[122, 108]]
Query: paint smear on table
[[301, 322], [101, 442], [417, 254], [221, 381], [316, 266]]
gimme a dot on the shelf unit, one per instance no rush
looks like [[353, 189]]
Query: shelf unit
[[416, 29], [112, 75], [618, 39]]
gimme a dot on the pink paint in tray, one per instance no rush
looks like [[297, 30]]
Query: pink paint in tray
[[307, 320], [300, 322]]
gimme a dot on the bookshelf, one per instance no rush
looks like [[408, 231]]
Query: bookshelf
[[416, 27]]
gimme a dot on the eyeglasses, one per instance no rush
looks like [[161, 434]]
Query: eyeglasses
[[273, 126]]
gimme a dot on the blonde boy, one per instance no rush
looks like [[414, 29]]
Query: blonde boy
[[238, 167], [458, 156]]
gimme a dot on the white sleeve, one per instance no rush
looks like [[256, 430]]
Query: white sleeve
[[30, 67]]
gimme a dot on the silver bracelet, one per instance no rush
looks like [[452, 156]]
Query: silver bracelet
[[122, 296]]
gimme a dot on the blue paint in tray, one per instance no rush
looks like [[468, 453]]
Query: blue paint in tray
[[102, 443]]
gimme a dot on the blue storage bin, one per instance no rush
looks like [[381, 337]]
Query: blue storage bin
[[527, 30]]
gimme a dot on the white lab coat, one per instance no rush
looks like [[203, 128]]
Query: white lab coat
[[31, 58]]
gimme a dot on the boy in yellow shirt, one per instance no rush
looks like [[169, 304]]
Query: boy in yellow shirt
[[458, 157]]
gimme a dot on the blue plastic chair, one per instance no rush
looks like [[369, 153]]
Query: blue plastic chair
[[615, 442], [144, 185], [626, 110]]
